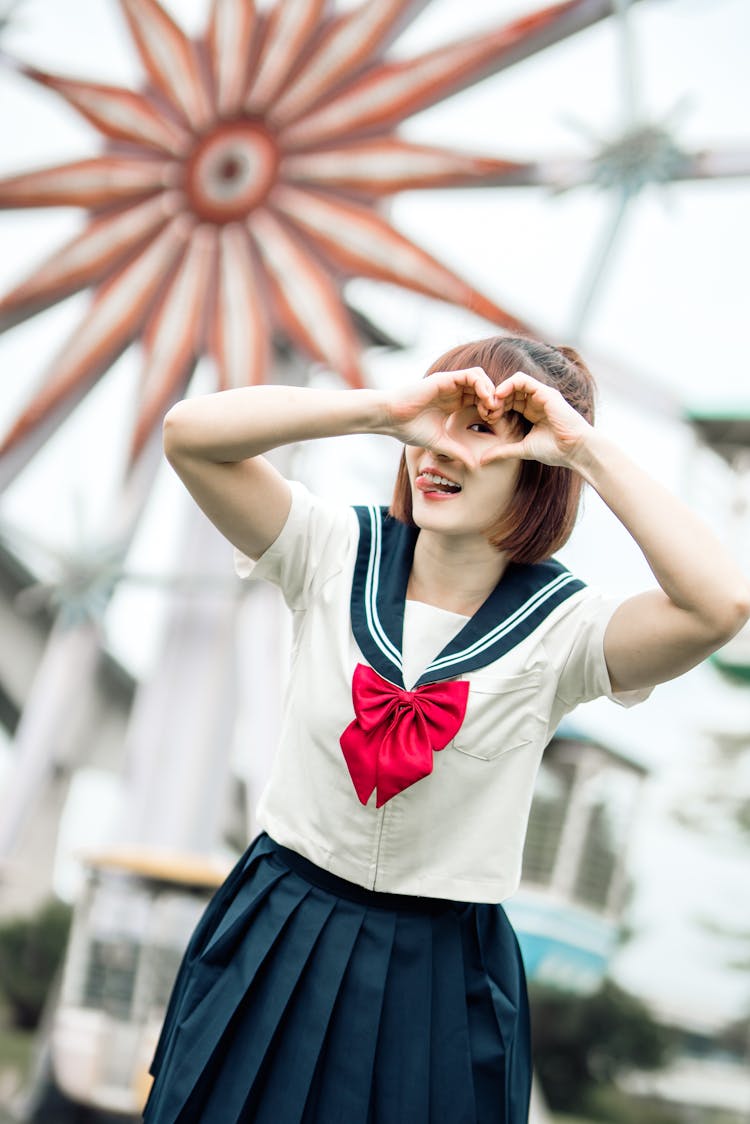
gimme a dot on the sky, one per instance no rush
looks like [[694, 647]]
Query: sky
[[668, 322]]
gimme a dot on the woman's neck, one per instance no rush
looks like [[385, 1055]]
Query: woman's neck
[[454, 573]]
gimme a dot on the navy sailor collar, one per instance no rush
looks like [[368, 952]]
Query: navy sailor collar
[[522, 599]]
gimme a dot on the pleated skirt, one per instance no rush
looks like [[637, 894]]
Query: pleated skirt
[[305, 999]]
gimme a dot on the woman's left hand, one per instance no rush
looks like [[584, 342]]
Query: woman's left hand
[[558, 432]]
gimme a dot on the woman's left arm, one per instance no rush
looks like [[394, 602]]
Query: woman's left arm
[[703, 599]]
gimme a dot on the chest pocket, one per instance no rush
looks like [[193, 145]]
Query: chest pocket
[[502, 714]]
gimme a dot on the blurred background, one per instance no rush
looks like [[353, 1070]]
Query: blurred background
[[328, 195]]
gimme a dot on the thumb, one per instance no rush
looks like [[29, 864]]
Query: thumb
[[442, 444], [507, 451]]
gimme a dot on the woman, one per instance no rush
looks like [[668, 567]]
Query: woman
[[357, 965]]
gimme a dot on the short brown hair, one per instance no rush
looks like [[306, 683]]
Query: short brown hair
[[545, 503]]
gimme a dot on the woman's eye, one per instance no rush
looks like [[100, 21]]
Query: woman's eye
[[481, 427]]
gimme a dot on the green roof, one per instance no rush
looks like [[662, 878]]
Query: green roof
[[724, 428]]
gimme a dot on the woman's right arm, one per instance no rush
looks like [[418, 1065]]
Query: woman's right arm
[[215, 445], [216, 442]]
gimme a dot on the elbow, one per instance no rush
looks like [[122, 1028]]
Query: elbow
[[173, 431], [743, 605], [734, 615]]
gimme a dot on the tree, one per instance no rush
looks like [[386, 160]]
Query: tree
[[584, 1042], [31, 951]]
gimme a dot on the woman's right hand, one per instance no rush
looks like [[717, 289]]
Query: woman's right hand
[[418, 414]]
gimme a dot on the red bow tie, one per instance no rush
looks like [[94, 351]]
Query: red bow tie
[[390, 743]]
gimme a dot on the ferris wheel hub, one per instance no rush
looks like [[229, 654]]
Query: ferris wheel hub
[[645, 153], [231, 170]]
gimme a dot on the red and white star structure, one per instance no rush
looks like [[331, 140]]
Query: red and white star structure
[[242, 186]]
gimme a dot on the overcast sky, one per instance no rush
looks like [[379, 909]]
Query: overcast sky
[[671, 312]]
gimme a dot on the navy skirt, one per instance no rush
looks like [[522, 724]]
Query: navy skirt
[[305, 999]]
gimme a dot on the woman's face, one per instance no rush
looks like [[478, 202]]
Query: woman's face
[[452, 491]]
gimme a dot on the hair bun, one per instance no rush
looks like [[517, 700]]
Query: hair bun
[[571, 355]]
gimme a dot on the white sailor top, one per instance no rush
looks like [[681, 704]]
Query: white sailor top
[[422, 791]]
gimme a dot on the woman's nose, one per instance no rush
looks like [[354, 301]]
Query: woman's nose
[[447, 448], [448, 445]]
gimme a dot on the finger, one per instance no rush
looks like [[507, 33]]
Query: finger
[[444, 445], [474, 381], [485, 400], [495, 417], [511, 450], [522, 384], [526, 396], [480, 389]]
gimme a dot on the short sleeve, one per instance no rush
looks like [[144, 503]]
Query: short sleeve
[[312, 547], [583, 673]]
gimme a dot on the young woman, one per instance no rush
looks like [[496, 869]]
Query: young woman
[[357, 967]]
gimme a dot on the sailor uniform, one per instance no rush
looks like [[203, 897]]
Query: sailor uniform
[[357, 965]]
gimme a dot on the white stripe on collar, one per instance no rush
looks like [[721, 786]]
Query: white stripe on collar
[[389, 650], [506, 626]]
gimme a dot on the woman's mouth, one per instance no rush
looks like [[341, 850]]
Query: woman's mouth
[[435, 486]]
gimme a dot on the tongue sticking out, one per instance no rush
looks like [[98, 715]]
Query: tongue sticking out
[[427, 483]]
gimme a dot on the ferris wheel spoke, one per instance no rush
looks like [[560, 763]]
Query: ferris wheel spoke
[[86, 260], [291, 24], [600, 262], [385, 165], [172, 337], [714, 163], [241, 338], [118, 311], [170, 59], [117, 113], [307, 300], [99, 181], [389, 92], [232, 28], [346, 44], [355, 240], [629, 78]]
